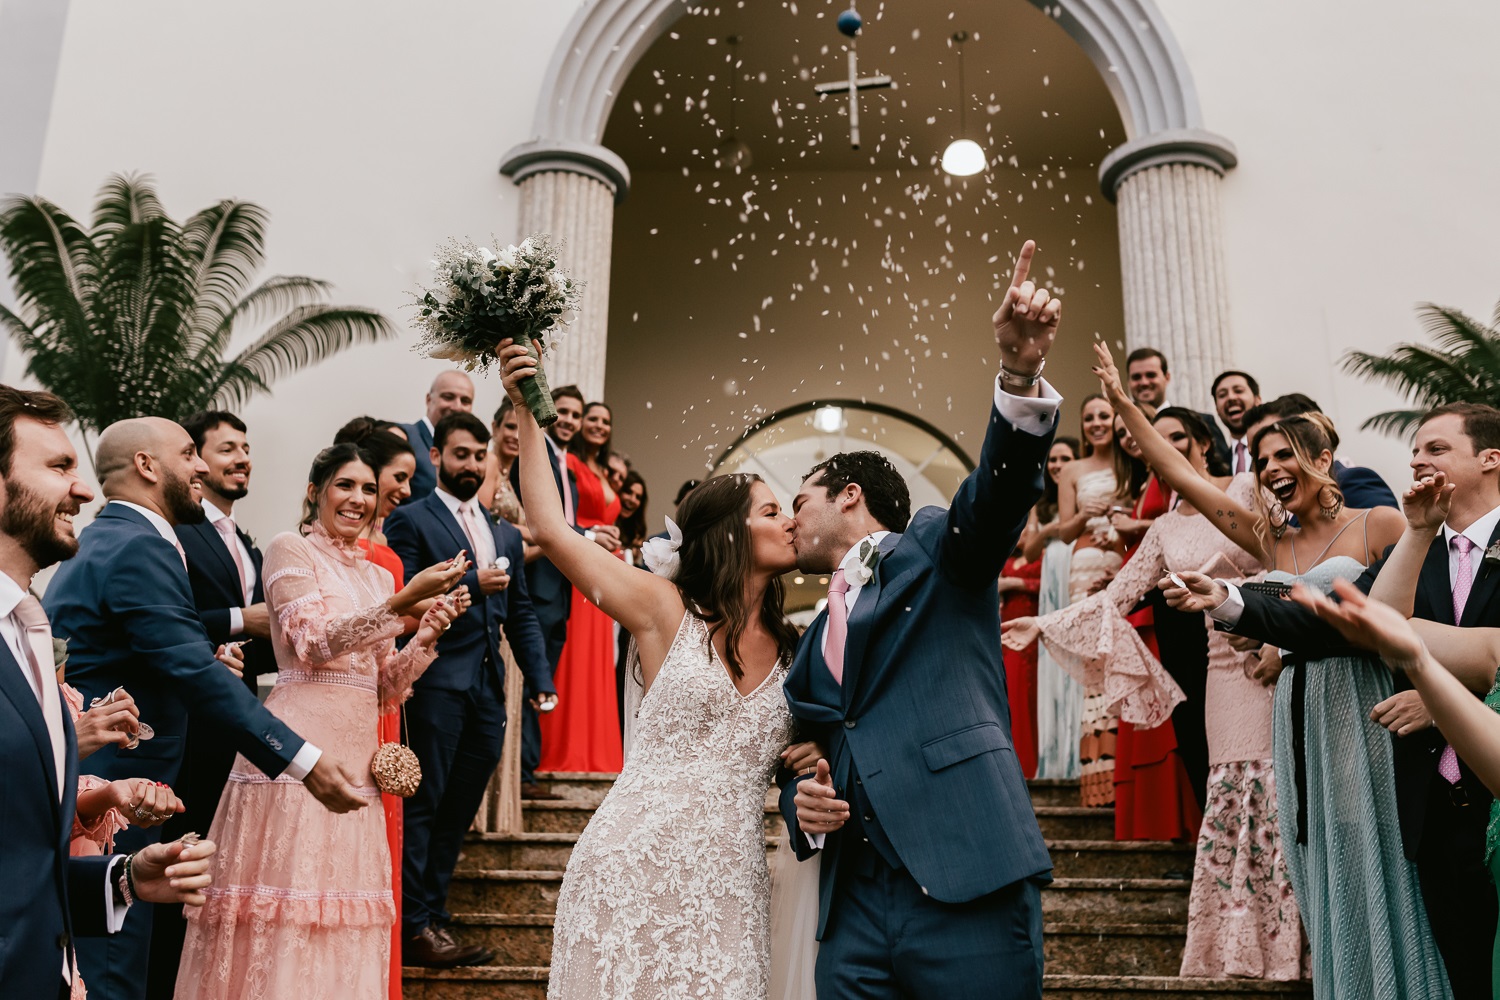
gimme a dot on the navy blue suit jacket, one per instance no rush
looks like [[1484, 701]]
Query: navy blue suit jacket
[[49, 897], [925, 717], [424, 479], [125, 606], [1363, 488], [551, 592], [216, 588], [424, 532]]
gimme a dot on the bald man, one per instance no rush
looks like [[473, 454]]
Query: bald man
[[125, 606], [451, 392]]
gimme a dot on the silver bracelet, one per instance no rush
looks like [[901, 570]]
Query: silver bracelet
[[1016, 380]]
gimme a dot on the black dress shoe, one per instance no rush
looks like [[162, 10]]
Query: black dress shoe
[[470, 954], [434, 949], [531, 790]]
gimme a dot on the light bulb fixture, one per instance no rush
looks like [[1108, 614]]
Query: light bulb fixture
[[828, 419], [731, 153], [964, 157]]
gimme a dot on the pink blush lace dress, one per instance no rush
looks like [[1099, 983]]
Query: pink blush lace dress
[[1242, 918], [301, 902]]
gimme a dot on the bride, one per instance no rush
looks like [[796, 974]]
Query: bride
[[667, 893]]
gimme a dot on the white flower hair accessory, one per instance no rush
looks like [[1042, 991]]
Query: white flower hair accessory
[[661, 554]]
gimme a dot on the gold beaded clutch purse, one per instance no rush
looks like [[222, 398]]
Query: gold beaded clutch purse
[[396, 768]]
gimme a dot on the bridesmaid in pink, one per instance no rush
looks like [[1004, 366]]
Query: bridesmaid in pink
[[301, 903]]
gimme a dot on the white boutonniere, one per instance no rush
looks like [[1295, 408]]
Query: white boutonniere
[[862, 572], [1492, 555]]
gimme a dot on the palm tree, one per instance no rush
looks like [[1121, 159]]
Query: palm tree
[[1464, 367], [132, 316]]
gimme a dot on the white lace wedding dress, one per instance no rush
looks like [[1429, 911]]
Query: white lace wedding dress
[[667, 894]]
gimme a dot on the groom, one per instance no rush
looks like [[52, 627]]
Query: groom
[[932, 858]]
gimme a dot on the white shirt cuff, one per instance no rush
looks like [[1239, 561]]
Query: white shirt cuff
[[1035, 415], [114, 913], [815, 840], [301, 766], [1229, 611], [236, 621]]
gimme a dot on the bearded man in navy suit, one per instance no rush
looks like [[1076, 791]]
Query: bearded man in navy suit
[[52, 898], [932, 858]]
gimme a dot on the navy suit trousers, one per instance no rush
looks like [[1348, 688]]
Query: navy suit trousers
[[888, 940], [458, 736]]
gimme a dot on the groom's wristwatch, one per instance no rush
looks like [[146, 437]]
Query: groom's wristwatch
[[1015, 380]]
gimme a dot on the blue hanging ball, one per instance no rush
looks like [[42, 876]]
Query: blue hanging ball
[[850, 22]]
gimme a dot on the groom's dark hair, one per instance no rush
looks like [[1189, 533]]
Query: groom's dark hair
[[886, 495]]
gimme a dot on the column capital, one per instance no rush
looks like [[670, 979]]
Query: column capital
[[589, 159], [1178, 145]]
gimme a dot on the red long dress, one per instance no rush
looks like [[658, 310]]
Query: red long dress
[[1153, 794], [390, 732], [583, 733], [1020, 664]]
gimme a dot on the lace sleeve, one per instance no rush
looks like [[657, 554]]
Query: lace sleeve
[[399, 668], [1093, 642], [316, 636]]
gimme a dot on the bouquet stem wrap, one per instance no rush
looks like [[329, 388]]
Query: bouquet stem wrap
[[537, 392]]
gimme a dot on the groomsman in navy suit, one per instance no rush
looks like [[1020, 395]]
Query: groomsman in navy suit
[[456, 716], [50, 898], [932, 858], [224, 569], [451, 392], [125, 605]]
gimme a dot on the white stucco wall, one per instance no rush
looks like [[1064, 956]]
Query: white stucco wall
[[373, 130]]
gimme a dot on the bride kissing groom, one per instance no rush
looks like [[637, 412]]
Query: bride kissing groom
[[931, 858]]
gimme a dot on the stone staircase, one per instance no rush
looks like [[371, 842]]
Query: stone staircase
[[1114, 927]]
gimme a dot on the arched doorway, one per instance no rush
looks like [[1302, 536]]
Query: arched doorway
[[1165, 175]]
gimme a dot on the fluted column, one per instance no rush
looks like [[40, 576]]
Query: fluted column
[[1172, 253], [569, 192]]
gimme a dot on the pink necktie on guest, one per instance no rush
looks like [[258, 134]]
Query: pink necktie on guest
[[1241, 462], [37, 633], [1448, 762], [232, 543], [838, 625], [567, 492]]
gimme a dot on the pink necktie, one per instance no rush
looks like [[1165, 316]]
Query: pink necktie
[[232, 543], [567, 492], [1240, 465], [1448, 762], [481, 545], [38, 635], [838, 625]]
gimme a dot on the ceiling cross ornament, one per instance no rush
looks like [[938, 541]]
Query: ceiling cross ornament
[[849, 25]]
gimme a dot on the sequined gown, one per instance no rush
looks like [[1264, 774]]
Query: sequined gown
[[301, 904], [1358, 894], [667, 894]]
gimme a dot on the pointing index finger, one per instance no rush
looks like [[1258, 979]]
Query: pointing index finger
[[1023, 264]]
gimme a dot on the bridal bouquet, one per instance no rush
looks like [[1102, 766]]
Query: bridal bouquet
[[483, 296]]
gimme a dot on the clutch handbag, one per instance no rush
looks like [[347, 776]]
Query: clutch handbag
[[396, 768]]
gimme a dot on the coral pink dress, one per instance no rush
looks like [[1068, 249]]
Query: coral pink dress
[[583, 732], [301, 902]]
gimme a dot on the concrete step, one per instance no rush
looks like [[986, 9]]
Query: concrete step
[[1076, 987], [505, 891], [494, 982], [1116, 901], [1075, 822], [591, 787], [1071, 858], [1095, 949]]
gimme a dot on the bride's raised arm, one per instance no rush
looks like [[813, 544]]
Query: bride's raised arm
[[1233, 518]]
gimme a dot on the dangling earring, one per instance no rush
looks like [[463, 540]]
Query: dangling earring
[[1278, 518], [1331, 510]]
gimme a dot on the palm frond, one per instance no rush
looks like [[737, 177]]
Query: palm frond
[[275, 296], [1397, 423], [124, 200], [305, 336], [225, 245], [51, 256]]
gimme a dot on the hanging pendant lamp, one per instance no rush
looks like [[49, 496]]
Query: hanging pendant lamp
[[731, 153], [964, 157]]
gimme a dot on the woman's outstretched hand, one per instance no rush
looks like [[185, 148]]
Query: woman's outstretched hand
[[1026, 322], [517, 365], [1367, 622], [1019, 633], [1109, 375]]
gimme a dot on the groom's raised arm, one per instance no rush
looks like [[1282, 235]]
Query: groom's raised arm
[[991, 506]]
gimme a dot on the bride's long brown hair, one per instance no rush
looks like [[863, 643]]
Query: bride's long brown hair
[[716, 560]]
